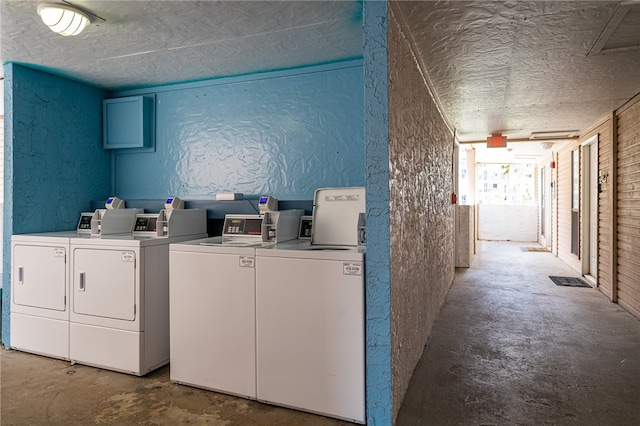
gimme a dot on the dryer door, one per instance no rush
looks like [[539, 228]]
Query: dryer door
[[104, 283], [39, 277]]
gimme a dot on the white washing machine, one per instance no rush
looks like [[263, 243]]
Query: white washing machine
[[212, 293], [39, 293], [310, 321], [310, 329], [119, 286]]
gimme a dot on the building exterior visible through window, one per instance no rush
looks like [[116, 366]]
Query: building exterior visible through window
[[506, 184]]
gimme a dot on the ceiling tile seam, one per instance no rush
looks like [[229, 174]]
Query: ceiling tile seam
[[210, 43], [248, 36], [417, 57]]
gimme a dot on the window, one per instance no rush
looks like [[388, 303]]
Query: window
[[512, 184]]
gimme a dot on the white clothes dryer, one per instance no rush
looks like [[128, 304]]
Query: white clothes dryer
[[40, 277], [119, 286], [39, 293]]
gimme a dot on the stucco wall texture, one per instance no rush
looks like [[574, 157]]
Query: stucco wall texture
[[378, 290], [54, 160], [282, 133], [421, 218]]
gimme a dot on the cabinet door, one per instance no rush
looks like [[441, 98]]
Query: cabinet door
[[104, 283], [128, 122], [39, 277]]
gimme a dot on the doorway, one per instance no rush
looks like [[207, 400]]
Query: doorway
[[575, 202], [589, 209], [543, 191], [546, 188]]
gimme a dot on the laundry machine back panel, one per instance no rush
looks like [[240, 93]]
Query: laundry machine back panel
[[39, 276], [104, 283]]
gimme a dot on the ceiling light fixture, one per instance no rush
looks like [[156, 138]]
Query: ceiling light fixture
[[63, 19], [547, 145]]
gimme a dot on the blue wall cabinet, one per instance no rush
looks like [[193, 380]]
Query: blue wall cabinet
[[128, 122]]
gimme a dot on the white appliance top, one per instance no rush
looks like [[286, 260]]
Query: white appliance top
[[129, 240], [217, 245], [305, 250], [335, 215], [58, 237]]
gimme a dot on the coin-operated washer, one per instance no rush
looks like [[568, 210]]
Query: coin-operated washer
[[212, 290], [119, 290], [310, 312], [40, 280]]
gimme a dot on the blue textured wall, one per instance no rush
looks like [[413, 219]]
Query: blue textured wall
[[378, 291], [284, 133], [54, 161]]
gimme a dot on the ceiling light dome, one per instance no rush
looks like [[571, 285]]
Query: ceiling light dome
[[63, 19]]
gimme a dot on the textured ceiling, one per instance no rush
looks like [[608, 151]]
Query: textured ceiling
[[147, 43], [519, 67], [512, 67]]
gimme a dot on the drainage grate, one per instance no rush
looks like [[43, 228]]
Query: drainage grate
[[569, 281]]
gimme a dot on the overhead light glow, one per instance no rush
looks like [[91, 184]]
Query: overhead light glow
[[63, 19]]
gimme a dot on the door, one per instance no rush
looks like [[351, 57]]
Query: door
[[593, 211], [39, 277], [590, 207], [575, 199], [104, 283], [543, 203]]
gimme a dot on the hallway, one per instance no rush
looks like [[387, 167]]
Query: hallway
[[512, 348]]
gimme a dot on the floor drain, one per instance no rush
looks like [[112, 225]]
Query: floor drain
[[569, 281]]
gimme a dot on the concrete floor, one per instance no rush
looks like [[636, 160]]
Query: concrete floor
[[512, 348], [509, 348], [42, 391]]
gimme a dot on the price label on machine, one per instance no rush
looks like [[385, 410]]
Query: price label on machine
[[351, 268], [247, 262]]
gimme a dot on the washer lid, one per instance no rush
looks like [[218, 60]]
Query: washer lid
[[335, 215]]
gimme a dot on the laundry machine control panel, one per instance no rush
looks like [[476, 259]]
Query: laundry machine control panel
[[243, 225], [146, 223]]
